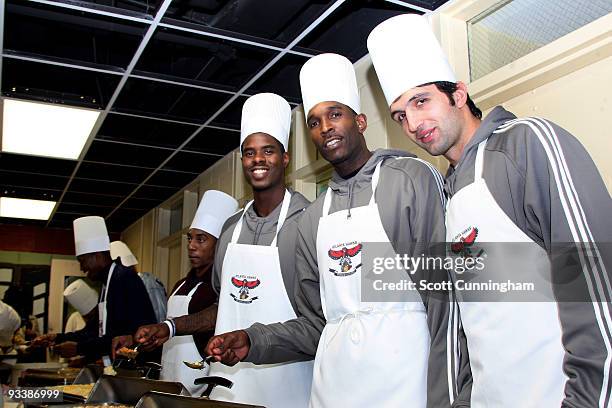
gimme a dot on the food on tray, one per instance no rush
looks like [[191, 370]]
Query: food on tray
[[82, 390], [109, 370], [127, 352], [104, 405]]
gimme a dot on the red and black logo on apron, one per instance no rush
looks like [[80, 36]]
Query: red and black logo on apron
[[245, 285], [347, 256], [463, 242]]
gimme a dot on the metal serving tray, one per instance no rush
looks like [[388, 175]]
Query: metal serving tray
[[163, 400], [127, 390]]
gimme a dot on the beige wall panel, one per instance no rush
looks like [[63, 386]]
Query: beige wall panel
[[581, 103], [60, 269], [132, 236], [148, 242], [175, 271]]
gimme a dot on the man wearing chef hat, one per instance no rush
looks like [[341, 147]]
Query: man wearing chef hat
[[9, 324], [515, 181], [193, 293], [254, 269], [155, 289], [124, 304], [84, 300], [369, 353]]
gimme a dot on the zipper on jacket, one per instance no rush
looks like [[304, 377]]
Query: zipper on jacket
[[258, 229], [350, 199]]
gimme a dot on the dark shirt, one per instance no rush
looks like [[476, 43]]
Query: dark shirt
[[128, 307], [203, 297]]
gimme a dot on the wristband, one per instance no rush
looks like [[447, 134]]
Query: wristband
[[170, 324]]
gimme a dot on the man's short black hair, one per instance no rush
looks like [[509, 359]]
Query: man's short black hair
[[449, 88], [280, 145]]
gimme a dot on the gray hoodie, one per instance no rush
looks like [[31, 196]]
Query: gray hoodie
[[260, 231], [410, 202], [523, 180]]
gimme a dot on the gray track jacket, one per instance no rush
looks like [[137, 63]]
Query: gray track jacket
[[410, 206], [528, 186]]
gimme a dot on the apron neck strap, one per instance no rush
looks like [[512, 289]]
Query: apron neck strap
[[106, 285], [192, 291], [179, 287], [478, 164], [375, 178], [281, 219]]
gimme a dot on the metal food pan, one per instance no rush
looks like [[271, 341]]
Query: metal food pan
[[163, 400], [88, 374], [128, 390]]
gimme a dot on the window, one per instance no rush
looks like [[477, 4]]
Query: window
[[512, 29]]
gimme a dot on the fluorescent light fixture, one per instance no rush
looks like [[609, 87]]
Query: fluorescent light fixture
[[22, 208], [42, 129]]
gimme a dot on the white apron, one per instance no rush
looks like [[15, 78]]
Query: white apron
[[252, 290], [515, 348], [370, 354], [102, 313], [181, 348]]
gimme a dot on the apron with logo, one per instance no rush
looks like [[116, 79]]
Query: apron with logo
[[102, 313], [370, 353], [252, 290], [515, 348], [181, 348]]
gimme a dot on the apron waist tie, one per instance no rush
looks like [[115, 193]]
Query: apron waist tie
[[357, 315]]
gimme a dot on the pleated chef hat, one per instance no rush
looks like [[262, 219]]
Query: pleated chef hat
[[266, 113], [120, 249], [90, 235], [81, 296], [405, 54], [9, 322], [329, 78], [214, 209]]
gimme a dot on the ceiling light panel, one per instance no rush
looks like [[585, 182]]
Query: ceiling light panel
[[45, 130], [29, 209]]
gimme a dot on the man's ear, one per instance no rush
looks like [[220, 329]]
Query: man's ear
[[362, 122], [460, 95], [286, 159]]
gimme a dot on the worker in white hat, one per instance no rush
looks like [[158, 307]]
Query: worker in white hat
[[254, 268], [193, 293], [124, 304], [387, 197], [524, 181], [84, 300], [155, 289], [9, 323]]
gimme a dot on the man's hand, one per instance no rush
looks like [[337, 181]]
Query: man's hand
[[229, 348], [152, 336], [119, 342], [45, 340], [66, 349]]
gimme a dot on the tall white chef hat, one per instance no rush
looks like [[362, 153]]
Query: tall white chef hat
[[9, 322], [405, 54], [120, 249], [266, 113], [214, 209], [327, 78], [90, 235], [81, 296]]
